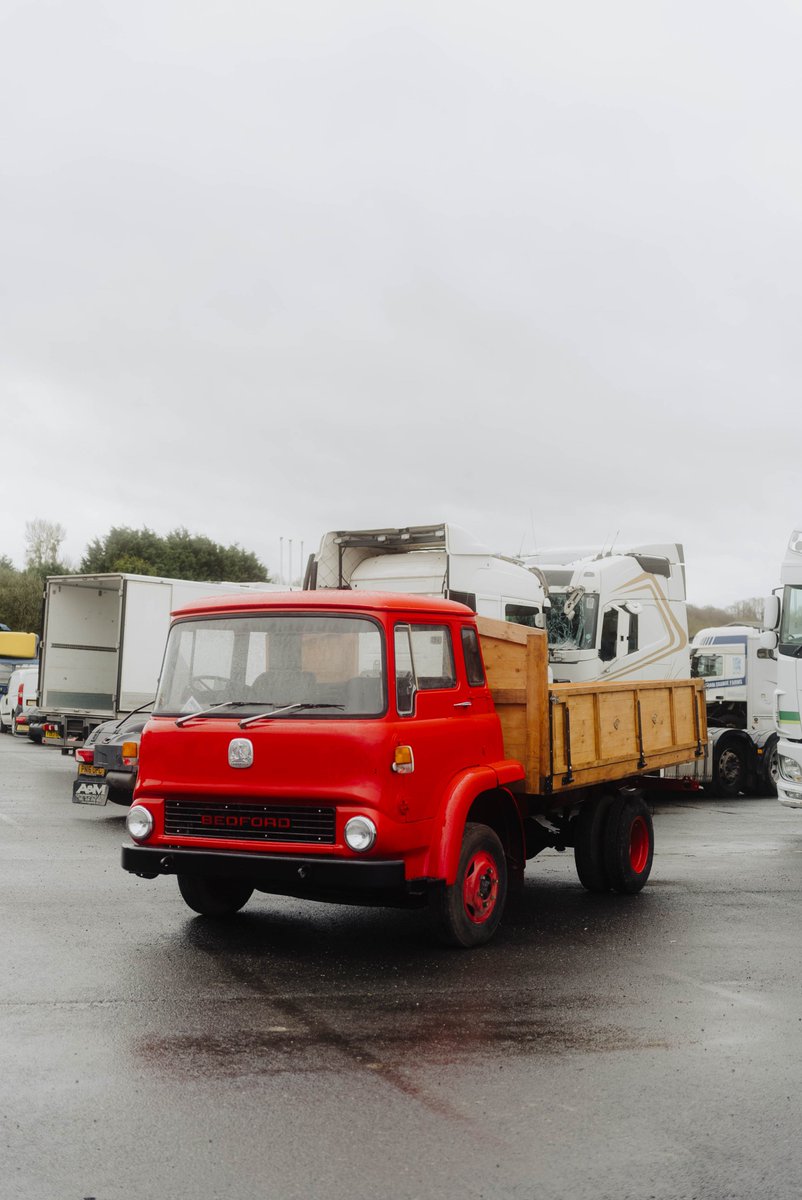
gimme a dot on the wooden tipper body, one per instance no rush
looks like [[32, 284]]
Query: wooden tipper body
[[572, 735]]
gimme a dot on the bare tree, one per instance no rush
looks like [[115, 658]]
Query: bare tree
[[43, 539]]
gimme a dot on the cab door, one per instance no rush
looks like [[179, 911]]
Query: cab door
[[448, 723]]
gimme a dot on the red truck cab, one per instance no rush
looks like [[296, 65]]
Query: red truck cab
[[332, 745]]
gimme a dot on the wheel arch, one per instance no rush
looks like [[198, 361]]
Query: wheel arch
[[476, 796]]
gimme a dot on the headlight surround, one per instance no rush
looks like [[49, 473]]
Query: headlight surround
[[139, 823], [789, 768], [360, 834]]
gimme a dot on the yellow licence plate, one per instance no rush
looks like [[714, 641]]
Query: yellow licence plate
[[54, 736], [85, 769]]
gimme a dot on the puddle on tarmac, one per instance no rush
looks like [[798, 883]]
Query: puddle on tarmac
[[299, 1037]]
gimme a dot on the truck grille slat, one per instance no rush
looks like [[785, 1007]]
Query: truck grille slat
[[252, 822]]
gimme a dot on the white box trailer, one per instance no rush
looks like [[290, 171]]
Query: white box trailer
[[103, 642]]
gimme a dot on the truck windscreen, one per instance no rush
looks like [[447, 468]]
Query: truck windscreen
[[571, 622], [791, 623], [309, 666]]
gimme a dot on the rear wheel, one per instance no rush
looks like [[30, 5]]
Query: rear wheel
[[628, 844], [213, 897], [729, 769], [589, 844], [467, 912]]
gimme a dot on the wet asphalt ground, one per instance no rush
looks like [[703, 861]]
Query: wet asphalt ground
[[609, 1048]]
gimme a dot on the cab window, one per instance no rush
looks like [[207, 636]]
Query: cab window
[[473, 657]]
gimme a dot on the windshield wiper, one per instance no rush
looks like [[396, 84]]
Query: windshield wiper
[[133, 712], [274, 712], [202, 712]]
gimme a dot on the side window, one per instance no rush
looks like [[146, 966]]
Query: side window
[[473, 657], [404, 672], [522, 614], [609, 634], [432, 657], [424, 661], [632, 640], [468, 598]]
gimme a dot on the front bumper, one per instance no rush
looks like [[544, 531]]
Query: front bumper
[[337, 880], [789, 793]]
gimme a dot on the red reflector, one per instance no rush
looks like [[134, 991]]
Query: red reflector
[[85, 754]]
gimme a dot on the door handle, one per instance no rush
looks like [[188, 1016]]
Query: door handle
[[463, 704]]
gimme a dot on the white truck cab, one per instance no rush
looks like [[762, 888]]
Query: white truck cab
[[430, 560], [616, 616], [789, 676]]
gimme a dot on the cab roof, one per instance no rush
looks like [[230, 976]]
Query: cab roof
[[324, 600]]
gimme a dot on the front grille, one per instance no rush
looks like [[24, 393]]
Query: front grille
[[251, 822]]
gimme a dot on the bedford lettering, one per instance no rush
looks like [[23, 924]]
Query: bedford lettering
[[245, 822]]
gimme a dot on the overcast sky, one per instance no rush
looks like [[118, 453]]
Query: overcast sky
[[270, 269]]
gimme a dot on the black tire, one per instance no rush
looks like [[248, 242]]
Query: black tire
[[13, 726], [628, 844], [213, 897], [729, 769], [467, 913], [589, 844], [769, 769]]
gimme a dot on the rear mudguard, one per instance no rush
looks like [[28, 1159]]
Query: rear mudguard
[[448, 827]]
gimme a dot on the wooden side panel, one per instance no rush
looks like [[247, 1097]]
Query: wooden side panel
[[607, 731], [570, 735], [516, 664]]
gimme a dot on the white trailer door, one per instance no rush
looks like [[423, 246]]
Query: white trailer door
[[81, 642], [146, 619]]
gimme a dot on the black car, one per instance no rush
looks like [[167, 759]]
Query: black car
[[108, 761]]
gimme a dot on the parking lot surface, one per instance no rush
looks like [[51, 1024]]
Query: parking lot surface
[[604, 1047]]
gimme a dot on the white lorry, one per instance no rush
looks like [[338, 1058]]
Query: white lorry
[[739, 666], [788, 696], [102, 646], [430, 560], [617, 615]]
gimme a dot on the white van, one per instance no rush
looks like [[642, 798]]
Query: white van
[[22, 688]]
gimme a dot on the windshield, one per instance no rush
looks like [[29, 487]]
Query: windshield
[[707, 666], [576, 629], [791, 623], [309, 666]]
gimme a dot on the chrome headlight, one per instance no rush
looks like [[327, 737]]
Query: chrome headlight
[[139, 823], [789, 768], [360, 833]]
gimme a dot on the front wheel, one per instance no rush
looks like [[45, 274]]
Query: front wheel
[[467, 912], [213, 897], [770, 768]]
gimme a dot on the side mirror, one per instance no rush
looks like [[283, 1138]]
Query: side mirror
[[768, 640], [771, 612]]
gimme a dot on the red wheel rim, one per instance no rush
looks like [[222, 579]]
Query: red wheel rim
[[480, 887], [638, 845]]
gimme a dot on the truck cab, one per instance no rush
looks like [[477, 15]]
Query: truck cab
[[616, 616], [430, 560], [788, 695]]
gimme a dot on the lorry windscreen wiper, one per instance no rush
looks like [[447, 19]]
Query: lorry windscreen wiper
[[133, 712], [274, 712], [202, 712]]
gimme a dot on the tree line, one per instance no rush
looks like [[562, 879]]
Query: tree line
[[176, 555]]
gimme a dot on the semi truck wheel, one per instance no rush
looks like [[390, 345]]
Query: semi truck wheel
[[589, 844], [729, 768], [628, 844], [769, 769], [467, 913], [213, 897]]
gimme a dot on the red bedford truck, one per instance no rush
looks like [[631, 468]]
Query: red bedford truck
[[390, 749]]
